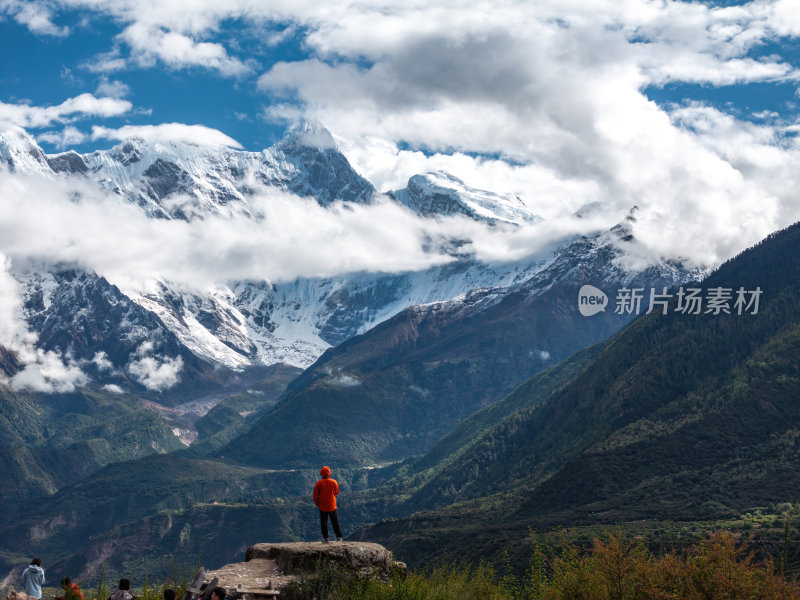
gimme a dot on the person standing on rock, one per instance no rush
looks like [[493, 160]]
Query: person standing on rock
[[325, 492], [33, 578]]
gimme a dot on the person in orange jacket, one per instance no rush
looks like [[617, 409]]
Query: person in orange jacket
[[325, 492]]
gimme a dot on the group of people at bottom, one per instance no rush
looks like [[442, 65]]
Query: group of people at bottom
[[33, 580]]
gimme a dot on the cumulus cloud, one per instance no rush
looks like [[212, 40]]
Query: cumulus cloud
[[106, 62], [112, 88], [101, 362], [529, 85], [150, 43], [66, 138], [68, 221], [550, 99], [193, 134], [47, 371], [153, 371], [84, 105], [36, 16]]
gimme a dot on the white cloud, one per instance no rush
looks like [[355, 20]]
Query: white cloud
[[84, 105], [193, 134], [36, 16], [343, 380], [11, 328], [101, 361], [66, 138], [112, 88], [783, 16], [178, 50], [107, 62], [47, 372], [155, 372], [70, 221], [113, 388]]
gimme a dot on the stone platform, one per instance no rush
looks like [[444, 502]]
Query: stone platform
[[270, 567]]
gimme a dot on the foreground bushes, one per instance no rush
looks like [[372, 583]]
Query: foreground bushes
[[615, 569]]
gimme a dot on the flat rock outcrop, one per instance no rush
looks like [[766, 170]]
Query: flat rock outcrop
[[365, 558], [271, 567]]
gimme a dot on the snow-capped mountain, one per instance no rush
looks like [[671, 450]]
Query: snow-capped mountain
[[20, 152], [116, 341], [439, 193], [177, 179], [241, 325], [294, 323], [442, 361]]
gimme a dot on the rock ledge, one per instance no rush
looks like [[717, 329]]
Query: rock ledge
[[270, 567], [365, 558]]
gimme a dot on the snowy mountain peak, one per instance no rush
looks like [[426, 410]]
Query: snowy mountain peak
[[310, 164], [440, 193], [128, 152], [20, 152], [309, 133], [623, 230], [183, 179], [68, 162]]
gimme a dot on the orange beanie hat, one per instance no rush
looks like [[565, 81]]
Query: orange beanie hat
[[325, 471]]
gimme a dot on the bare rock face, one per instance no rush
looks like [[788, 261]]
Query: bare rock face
[[270, 567], [13, 595], [365, 558]]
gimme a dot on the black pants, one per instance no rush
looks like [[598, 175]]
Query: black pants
[[323, 521]]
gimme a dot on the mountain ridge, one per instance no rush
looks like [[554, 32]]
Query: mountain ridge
[[679, 417], [396, 389]]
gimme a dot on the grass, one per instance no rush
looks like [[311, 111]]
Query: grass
[[613, 568], [618, 565]]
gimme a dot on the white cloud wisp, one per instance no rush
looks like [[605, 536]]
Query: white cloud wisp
[[84, 105]]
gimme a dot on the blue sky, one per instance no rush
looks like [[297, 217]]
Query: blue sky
[[47, 69], [50, 51]]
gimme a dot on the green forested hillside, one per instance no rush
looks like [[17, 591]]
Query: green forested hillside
[[125, 492], [679, 417], [51, 440]]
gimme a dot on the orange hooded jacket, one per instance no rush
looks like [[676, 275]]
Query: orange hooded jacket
[[325, 491]]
